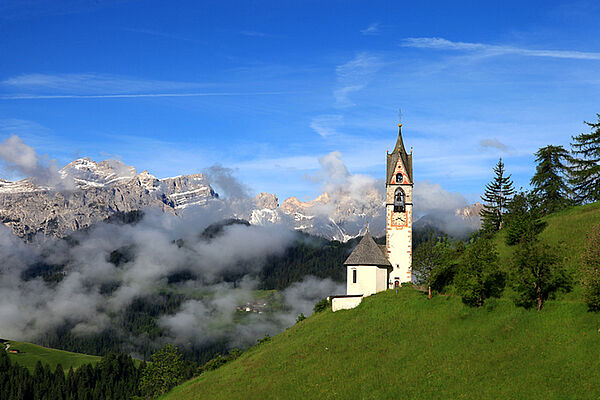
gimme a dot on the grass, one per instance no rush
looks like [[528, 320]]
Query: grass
[[30, 354], [566, 232], [404, 346]]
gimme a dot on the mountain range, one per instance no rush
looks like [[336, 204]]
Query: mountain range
[[91, 192]]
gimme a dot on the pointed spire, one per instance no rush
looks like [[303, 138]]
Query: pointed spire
[[399, 142], [399, 152]]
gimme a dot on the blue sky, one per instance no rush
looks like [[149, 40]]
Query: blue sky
[[268, 87]]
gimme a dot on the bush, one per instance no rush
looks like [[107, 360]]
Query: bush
[[479, 277], [321, 306], [265, 339]]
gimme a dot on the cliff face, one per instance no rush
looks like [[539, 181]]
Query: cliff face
[[335, 216], [99, 190]]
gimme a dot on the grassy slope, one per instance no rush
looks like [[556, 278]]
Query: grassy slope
[[31, 354], [403, 346], [566, 231]]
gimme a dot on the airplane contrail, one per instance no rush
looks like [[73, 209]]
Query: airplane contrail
[[127, 96]]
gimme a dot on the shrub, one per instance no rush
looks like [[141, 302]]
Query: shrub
[[265, 339], [321, 306]]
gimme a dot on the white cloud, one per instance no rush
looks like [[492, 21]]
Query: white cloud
[[326, 125], [102, 86], [372, 29], [495, 50], [23, 159], [128, 96], [354, 76], [494, 144]]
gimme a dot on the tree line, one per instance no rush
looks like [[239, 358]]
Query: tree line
[[562, 179]]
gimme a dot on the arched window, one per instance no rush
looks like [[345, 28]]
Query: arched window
[[399, 200], [399, 178]]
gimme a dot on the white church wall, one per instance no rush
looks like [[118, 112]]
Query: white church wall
[[382, 280], [345, 303], [369, 280], [366, 280]]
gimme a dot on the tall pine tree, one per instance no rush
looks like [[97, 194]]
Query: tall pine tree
[[496, 197], [585, 168], [549, 182]]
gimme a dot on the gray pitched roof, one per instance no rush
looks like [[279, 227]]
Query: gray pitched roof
[[367, 252], [399, 152]]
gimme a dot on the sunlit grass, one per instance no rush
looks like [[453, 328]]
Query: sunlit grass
[[29, 354], [403, 346]]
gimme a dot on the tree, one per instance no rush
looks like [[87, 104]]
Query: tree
[[479, 277], [428, 259], [496, 197], [322, 305], [590, 269], [549, 181], [523, 217], [537, 273], [585, 164], [163, 373]]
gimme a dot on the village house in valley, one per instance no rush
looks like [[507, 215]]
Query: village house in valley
[[372, 268]]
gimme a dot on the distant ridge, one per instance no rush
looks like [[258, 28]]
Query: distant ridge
[[97, 190]]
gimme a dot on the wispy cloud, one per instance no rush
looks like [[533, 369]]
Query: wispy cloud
[[151, 32], [94, 83], [253, 33], [326, 125], [495, 50], [353, 76], [127, 96], [494, 144], [99, 86], [372, 29]]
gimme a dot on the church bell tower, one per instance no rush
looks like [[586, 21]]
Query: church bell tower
[[399, 212]]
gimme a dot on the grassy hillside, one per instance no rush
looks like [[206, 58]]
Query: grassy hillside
[[29, 354], [404, 346], [566, 231]]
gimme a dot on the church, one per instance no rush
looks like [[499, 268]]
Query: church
[[372, 268]]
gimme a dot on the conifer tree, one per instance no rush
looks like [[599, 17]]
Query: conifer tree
[[523, 217], [585, 168], [496, 197], [549, 182]]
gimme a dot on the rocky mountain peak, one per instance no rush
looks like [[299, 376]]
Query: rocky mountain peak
[[97, 190], [266, 201]]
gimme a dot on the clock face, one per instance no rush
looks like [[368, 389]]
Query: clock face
[[399, 218]]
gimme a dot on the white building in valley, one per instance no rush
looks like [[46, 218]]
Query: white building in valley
[[372, 268]]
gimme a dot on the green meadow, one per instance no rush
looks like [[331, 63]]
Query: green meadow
[[400, 345], [29, 354]]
